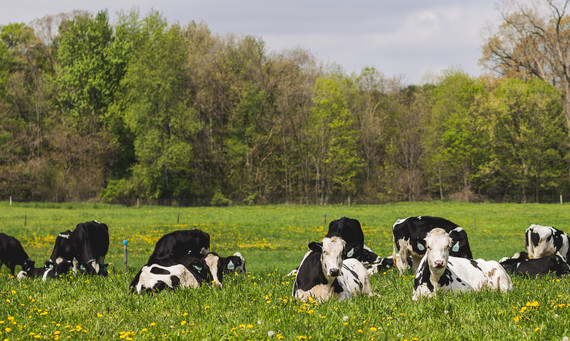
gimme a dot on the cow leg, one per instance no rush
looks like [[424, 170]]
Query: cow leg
[[402, 262]]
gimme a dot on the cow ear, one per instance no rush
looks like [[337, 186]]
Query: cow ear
[[314, 246], [455, 247], [350, 253]]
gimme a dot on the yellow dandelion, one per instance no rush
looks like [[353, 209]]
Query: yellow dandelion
[[183, 323], [373, 329], [536, 329]]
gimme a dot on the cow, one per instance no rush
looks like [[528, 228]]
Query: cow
[[183, 246], [325, 272], [45, 272], [12, 253], [543, 241], [409, 239], [440, 271], [521, 264], [86, 247], [168, 273], [234, 263], [351, 231]]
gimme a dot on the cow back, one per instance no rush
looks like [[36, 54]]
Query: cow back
[[11, 248], [415, 229], [351, 231], [91, 240], [185, 246]]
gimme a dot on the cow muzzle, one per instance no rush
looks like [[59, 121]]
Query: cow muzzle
[[334, 272], [438, 264]]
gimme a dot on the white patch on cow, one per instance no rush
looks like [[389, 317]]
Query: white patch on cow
[[46, 273], [354, 279], [320, 293], [331, 257], [59, 260], [204, 251], [399, 221], [21, 274], [211, 261]]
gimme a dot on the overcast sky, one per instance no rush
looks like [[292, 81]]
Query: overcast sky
[[405, 38]]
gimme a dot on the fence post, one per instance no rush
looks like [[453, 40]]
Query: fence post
[[125, 242], [325, 219]]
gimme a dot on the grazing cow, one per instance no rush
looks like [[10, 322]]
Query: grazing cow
[[351, 231], [521, 264], [543, 241], [183, 246], [409, 239], [168, 273], [12, 253], [86, 246], [439, 271], [324, 274]]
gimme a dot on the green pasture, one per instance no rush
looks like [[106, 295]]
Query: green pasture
[[258, 305]]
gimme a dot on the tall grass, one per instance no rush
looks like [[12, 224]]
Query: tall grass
[[259, 305]]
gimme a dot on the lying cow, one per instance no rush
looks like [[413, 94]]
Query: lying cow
[[351, 231], [409, 239], [86, 247], [12, 253], [235, 263], [324, 274], [183, 246], [521, 264], [543, 241], [45, 272], [439, 271], [168, 273]]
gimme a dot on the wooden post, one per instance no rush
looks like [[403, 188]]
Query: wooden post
[[125, 242], [138, 203], [474, 223], [325, 219], [349, 201], [178, 218], [25, 220], [11, 201], [561, 202]]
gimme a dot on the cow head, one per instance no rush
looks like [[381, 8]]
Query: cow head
[[541, 241], [234, 263], [438, 244], [28, 265], [215, 268], [332, 252]]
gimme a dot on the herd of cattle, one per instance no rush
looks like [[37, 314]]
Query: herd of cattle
[[435, 249]]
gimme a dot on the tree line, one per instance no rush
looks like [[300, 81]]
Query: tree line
[[175, 114]]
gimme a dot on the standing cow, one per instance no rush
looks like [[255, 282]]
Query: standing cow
[[12, 253], [85, 246], [409, 239], [543, 241], [182, 246]]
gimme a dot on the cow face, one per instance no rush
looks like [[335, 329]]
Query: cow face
[[28, 265], [332, 255], [438, 244], [214, 265], [235, 263], [541, 241]]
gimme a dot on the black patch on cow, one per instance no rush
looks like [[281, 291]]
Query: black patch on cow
[[558, 235], [524, 266], [159, 271], [175, 281], [183, 246], [446, 278], [535, 238], [475, 265], [336, 286], [159, 286], [310, 273], [352, 272], [459, 236], [422, 276]]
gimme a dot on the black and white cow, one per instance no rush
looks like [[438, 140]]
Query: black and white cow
[[234, 263], [46, 272], [325, 272], [439, 271], [168, 273], [521, 264], [12, 253], [409, 239], [543, 241], [86, 247], [351, 231], [182, 246]]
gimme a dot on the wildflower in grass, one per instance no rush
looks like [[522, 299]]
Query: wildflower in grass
[[152, 324], [532, 304], [183, 322], [373, 329], [536, 329]]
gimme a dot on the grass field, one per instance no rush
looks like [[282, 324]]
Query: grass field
[[258, 305]]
